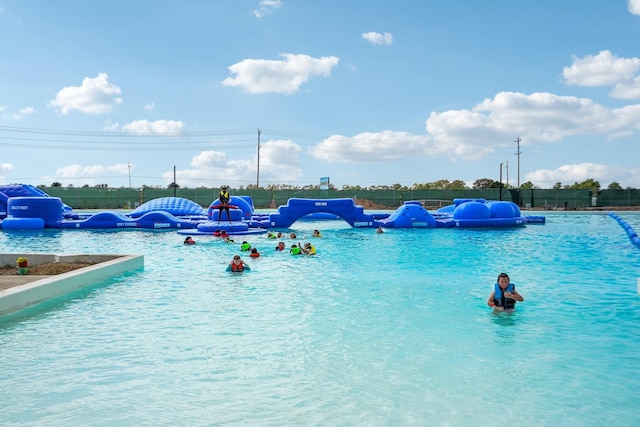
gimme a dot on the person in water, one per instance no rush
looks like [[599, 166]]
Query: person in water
[[237, 265], [504, 295], [254, 253], [379, 230], [245, 247], [307, 249], [224, 198], [316, 233], [280, 246], [295, 250], [189, 241]]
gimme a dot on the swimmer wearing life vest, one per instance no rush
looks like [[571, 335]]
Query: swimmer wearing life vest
[[316, 233], [237, 265], [307, 249], [295, 250], [254, 253], [189, 241], [504, 295], [280, 247], [245, 247]]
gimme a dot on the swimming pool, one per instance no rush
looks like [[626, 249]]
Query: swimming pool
[[377, 329]]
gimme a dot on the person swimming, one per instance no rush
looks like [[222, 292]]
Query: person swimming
[[237, 265]]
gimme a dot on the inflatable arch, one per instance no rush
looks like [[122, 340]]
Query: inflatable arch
[[344, 208]]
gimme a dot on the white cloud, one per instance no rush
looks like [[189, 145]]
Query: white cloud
[[110, 126], [371, 147], [266, 6], [279, 163], [627, 90], [158, 127], [7, 167], [372, 37], [606, 69], [472, 134], [18, 115], [259, 76], [93, 174], [150, 106], [94, 96], [634, 7], [570, 174]]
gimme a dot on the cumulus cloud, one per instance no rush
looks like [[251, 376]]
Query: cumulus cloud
[[539, 118], [384, 39], [6, 167], [110, 126], [371, 147], [279, 162], [91, 174], [266, 6], [93, 96], [18, 115], [150, 106], [606, 69], [259, 76], [634, 7], [158, 127], [570, 174]]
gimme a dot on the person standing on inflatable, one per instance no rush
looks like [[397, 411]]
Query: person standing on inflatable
[[504, 295], [224, 198]]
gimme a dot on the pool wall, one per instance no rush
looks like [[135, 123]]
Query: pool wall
[[29, 290]]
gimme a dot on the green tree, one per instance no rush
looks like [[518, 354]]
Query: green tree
[[557, 186], [458, 185], [483, 183], [587, 184], [614, 186], [529, 186]]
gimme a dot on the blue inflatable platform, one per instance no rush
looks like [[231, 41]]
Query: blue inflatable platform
[[28, 208]]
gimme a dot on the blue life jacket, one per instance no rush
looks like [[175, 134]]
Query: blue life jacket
[[500, 300]]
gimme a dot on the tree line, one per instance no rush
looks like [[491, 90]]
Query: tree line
[[443, 184]]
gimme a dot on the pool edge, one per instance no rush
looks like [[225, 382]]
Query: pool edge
[[24, 295]]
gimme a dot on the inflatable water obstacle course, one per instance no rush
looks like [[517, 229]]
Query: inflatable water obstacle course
[[24, 207]]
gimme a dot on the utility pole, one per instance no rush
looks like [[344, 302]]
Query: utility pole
[[517, 153], [129, 166], [507, 166], [174, 181], [500, 181], [258, 170]]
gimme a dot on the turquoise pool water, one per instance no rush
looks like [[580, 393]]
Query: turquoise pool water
[[379, 330]]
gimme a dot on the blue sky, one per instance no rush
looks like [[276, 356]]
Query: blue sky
[[363, 92]]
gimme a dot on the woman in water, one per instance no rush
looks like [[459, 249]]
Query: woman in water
[[504, 295]]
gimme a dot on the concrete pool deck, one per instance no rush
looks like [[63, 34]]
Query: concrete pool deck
[[21, 291]]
